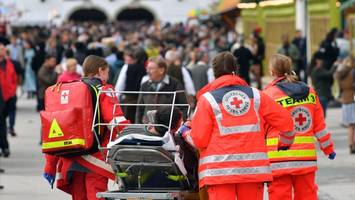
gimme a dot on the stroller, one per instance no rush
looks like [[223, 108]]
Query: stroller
[[147, 169]]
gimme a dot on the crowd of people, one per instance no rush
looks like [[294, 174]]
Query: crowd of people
[[44, 55], [164, 58]]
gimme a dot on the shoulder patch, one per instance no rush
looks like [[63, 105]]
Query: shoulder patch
[[236, 102], [302, 119]]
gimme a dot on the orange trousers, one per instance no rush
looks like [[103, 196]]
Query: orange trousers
[[304, 187], [239, 191], [86, 185]]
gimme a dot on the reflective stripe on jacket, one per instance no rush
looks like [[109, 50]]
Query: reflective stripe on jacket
[[228, 129], [309, 125]]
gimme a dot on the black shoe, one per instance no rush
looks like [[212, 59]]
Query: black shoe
[[12, 132], [6, 153], [2, 171], [352, 149]]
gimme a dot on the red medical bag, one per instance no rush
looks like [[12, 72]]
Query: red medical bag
[[67, 119]]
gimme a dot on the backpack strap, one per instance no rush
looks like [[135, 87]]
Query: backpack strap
[[94, 87]]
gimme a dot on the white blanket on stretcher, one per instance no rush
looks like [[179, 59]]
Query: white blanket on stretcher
[[168, 144]]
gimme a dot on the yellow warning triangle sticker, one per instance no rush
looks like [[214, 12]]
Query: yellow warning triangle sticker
[[55, 130]]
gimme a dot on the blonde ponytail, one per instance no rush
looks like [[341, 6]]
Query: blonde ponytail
[[282, 67], [291, 77]]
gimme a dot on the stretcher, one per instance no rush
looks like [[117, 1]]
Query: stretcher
[[146, 172], [144, 169]]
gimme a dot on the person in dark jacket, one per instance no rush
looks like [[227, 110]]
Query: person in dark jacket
[[47, 76], [258, 51], [290, 50], [322, 78], [301, 43], [199, 71], [159, 81], [80, 52], [330, 48], [130, 79], [245, 59]]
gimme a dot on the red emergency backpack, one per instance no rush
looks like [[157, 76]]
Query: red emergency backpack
[[68, 118]]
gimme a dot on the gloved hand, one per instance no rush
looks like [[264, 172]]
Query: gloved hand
[[188, 123], [50, 178], [182, 130], [283, 148], [332, 155]]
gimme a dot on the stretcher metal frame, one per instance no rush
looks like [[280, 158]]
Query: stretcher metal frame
[[146, 195], [141, 194]]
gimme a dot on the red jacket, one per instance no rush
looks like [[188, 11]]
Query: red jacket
[[8, 80], [303, 104], [228, 129], [94, 162]]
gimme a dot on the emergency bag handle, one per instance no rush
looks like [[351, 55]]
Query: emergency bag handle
[[56, 87]]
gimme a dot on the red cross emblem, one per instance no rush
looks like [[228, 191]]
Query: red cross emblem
[[64, 95], [300, 119], [236, 102]]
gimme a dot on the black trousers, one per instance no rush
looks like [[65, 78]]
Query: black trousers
[[11, 111], [4, 144], [130, 111]]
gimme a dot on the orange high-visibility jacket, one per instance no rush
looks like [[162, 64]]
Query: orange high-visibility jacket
[[228, 129], [309, 124]]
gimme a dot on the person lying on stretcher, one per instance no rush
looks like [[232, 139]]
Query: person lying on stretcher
[[159, 136]]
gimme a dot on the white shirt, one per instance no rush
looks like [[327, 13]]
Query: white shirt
[[121, 81], [210, 75], [144, 79], [189, 84]]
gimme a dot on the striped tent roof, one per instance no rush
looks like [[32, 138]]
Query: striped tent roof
[[227, 5]]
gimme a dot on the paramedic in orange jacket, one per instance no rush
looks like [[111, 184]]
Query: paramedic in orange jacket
[[228, 129], [295, 168], [84, 176]]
